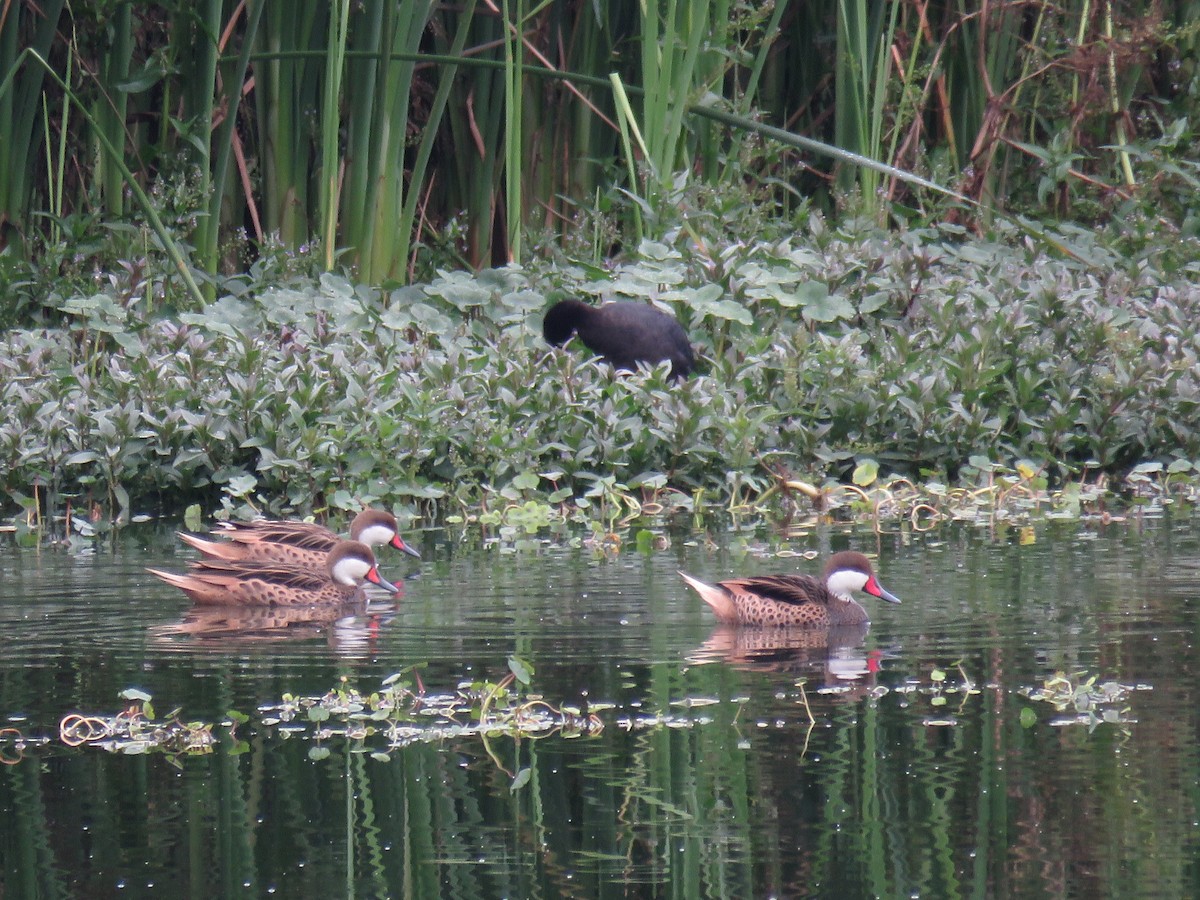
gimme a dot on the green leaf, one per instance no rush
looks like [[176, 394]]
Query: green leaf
[[828, 308], [241, 485], [729, 310], [865, 473], [526, 481], [135, 694], [521, 780], [191, 517], [521, 669], [1028, 717]]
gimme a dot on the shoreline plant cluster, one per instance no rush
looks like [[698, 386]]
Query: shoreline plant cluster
[[829, 356]]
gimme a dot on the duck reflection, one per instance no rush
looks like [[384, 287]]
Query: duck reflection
[[350, 628], [836, 652]]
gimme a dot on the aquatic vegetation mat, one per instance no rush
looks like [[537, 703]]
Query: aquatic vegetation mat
[[401, 712]]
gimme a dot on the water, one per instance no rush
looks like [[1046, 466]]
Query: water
[[925, 769]]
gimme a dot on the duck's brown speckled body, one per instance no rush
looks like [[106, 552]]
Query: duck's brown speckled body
[[797, 600], [302, 544], [263, 583]]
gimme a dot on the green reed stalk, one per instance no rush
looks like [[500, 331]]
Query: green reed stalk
[[748, 101], [367, 77], [1115, 101], [112, 103], [405, 230], [909, 105], [378, 111], [514, 103], [863, 67], [327, 198], [202, 91], [849, 111], [56, 164], [628, 125], [20, 101], [713, 63], [670, 57], [586, 136], [287, 87], [223, 143], [475, 122], [143, 201]]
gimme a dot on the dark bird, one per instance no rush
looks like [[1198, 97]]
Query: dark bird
[[796, 599], [625, 333]]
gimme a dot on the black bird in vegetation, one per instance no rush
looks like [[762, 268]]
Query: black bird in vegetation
[[624, 333]]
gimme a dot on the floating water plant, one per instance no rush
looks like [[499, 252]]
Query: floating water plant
[[398, 715], [136, 730], [401, 712], [1086, 700]]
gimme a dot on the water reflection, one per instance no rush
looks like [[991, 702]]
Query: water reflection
[[708, 779], [349, 629], [834, 655]]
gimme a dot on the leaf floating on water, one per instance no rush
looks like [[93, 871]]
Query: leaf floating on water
[[521, 780], [865, 473], [520, 669], [1092, 704], [192, 517]]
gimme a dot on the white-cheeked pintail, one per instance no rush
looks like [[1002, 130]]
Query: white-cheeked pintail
[[796, 599], [302, 544], [249, 582]]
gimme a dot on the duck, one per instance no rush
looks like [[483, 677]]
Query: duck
[[796, 600], [302, 544], [623, 332], [249, 582]]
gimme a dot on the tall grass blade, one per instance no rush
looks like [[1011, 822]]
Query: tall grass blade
[[144, 202], [330, 166]]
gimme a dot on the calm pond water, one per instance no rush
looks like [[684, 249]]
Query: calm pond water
[[927, 769]]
